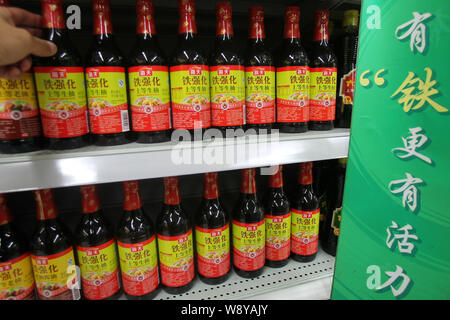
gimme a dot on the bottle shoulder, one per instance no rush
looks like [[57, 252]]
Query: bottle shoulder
[[212, 215], [134, 227], [248, 210], [258, 56], [323, 56], [172, 221], [12, 244], [187, 52], [105, 54], [50, 237], [292, 55], [143, 54], [93, 230]]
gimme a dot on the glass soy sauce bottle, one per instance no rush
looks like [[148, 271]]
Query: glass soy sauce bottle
[[175, 242], [106, 83], [136, 239], [248, 224], [323, 76], [259, 71], [148, 78], [16, 274], [189, 76], [60, 85], [212, 233], [278, 222], [292, 78], [96, 249], [227, 76]]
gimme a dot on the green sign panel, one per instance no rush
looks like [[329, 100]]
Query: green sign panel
[[395, 230]]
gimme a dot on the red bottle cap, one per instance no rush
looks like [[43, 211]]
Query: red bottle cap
[[223, 14], [102, 17], [186, 9], [131, 197], [145, 21], [89, 199], [248, 183], [52, 14], [256, 15], [5, 214], [45, 206], [276, 180], [210, 188], [171, 193], [321, 19], [292, 20], [305, 176]]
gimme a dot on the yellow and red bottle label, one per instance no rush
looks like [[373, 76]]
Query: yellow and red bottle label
[[176, 256], [213, 251], [16, 279], [260, 94], [99, 270], [278, 234], [249, 245], [347, 87], [53, 274], [62, 101], [323, 94], [150, 98], [107, 98], [19, 114], [190, 96], [227, 95], [305, 231], [293, 94], [139, 266]]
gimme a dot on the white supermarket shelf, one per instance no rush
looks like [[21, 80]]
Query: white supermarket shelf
[[295, 281], [95, 165]]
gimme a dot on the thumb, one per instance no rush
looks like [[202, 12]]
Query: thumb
[[42, 48]]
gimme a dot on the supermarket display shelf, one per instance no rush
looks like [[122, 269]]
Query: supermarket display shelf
[[289, 279], [94, 165]]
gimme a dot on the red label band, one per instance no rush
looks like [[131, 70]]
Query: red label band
[[65, 124], [109, 120], [189, 116], [347, 87], [322, 110], [249, 261], [212, 268], [260, 112], [227, 113], [292, 111], [141, 284], [19, 129], [150, 118]]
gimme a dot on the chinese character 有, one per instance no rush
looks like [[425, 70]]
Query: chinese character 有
[[408, 189], [417, 31]]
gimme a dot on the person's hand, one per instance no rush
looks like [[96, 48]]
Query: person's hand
[[19, 38]]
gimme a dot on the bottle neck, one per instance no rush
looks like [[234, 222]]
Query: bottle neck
[[187, 27], [131, 198], [102, 19], [171, 193], [276, 180], [45, 206], [145, 23], [291, 29], [248, 183], [257, 33], [305, 177], [89, 199], [5, 215], [210, 189]]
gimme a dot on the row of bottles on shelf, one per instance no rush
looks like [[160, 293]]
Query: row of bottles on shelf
[[141, 258], [112, 100]]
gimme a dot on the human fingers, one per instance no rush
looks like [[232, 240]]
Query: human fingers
[[25, 64], [11, 73], [42, 48]]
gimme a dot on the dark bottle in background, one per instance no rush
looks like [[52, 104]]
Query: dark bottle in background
[[260, 79], [189, 75], [321, 182], [333, 217], [52, 253], [227, 77], [148, 79], [175, 242], [347, 69], [136, 240], [106, 82], [212, 233], [60, 85], [305, 217], [248, 229], [292, 77], [278, 222], [96, 250], [16, 273], [323, 75]]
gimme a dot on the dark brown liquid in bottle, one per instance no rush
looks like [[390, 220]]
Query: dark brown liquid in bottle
[[147, 52], [51, 237], [258, 55], [93, 229], [305, 200], [248, 210], [225, 51], [173, 221], [66, 56], [276, 204], [292, 54], [212, 216], [135, 227], [12, 245], [104, 52], [322, 56]]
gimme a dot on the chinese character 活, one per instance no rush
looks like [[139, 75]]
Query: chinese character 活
[[403, 245]]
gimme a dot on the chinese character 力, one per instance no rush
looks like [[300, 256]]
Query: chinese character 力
[[394, 276]]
